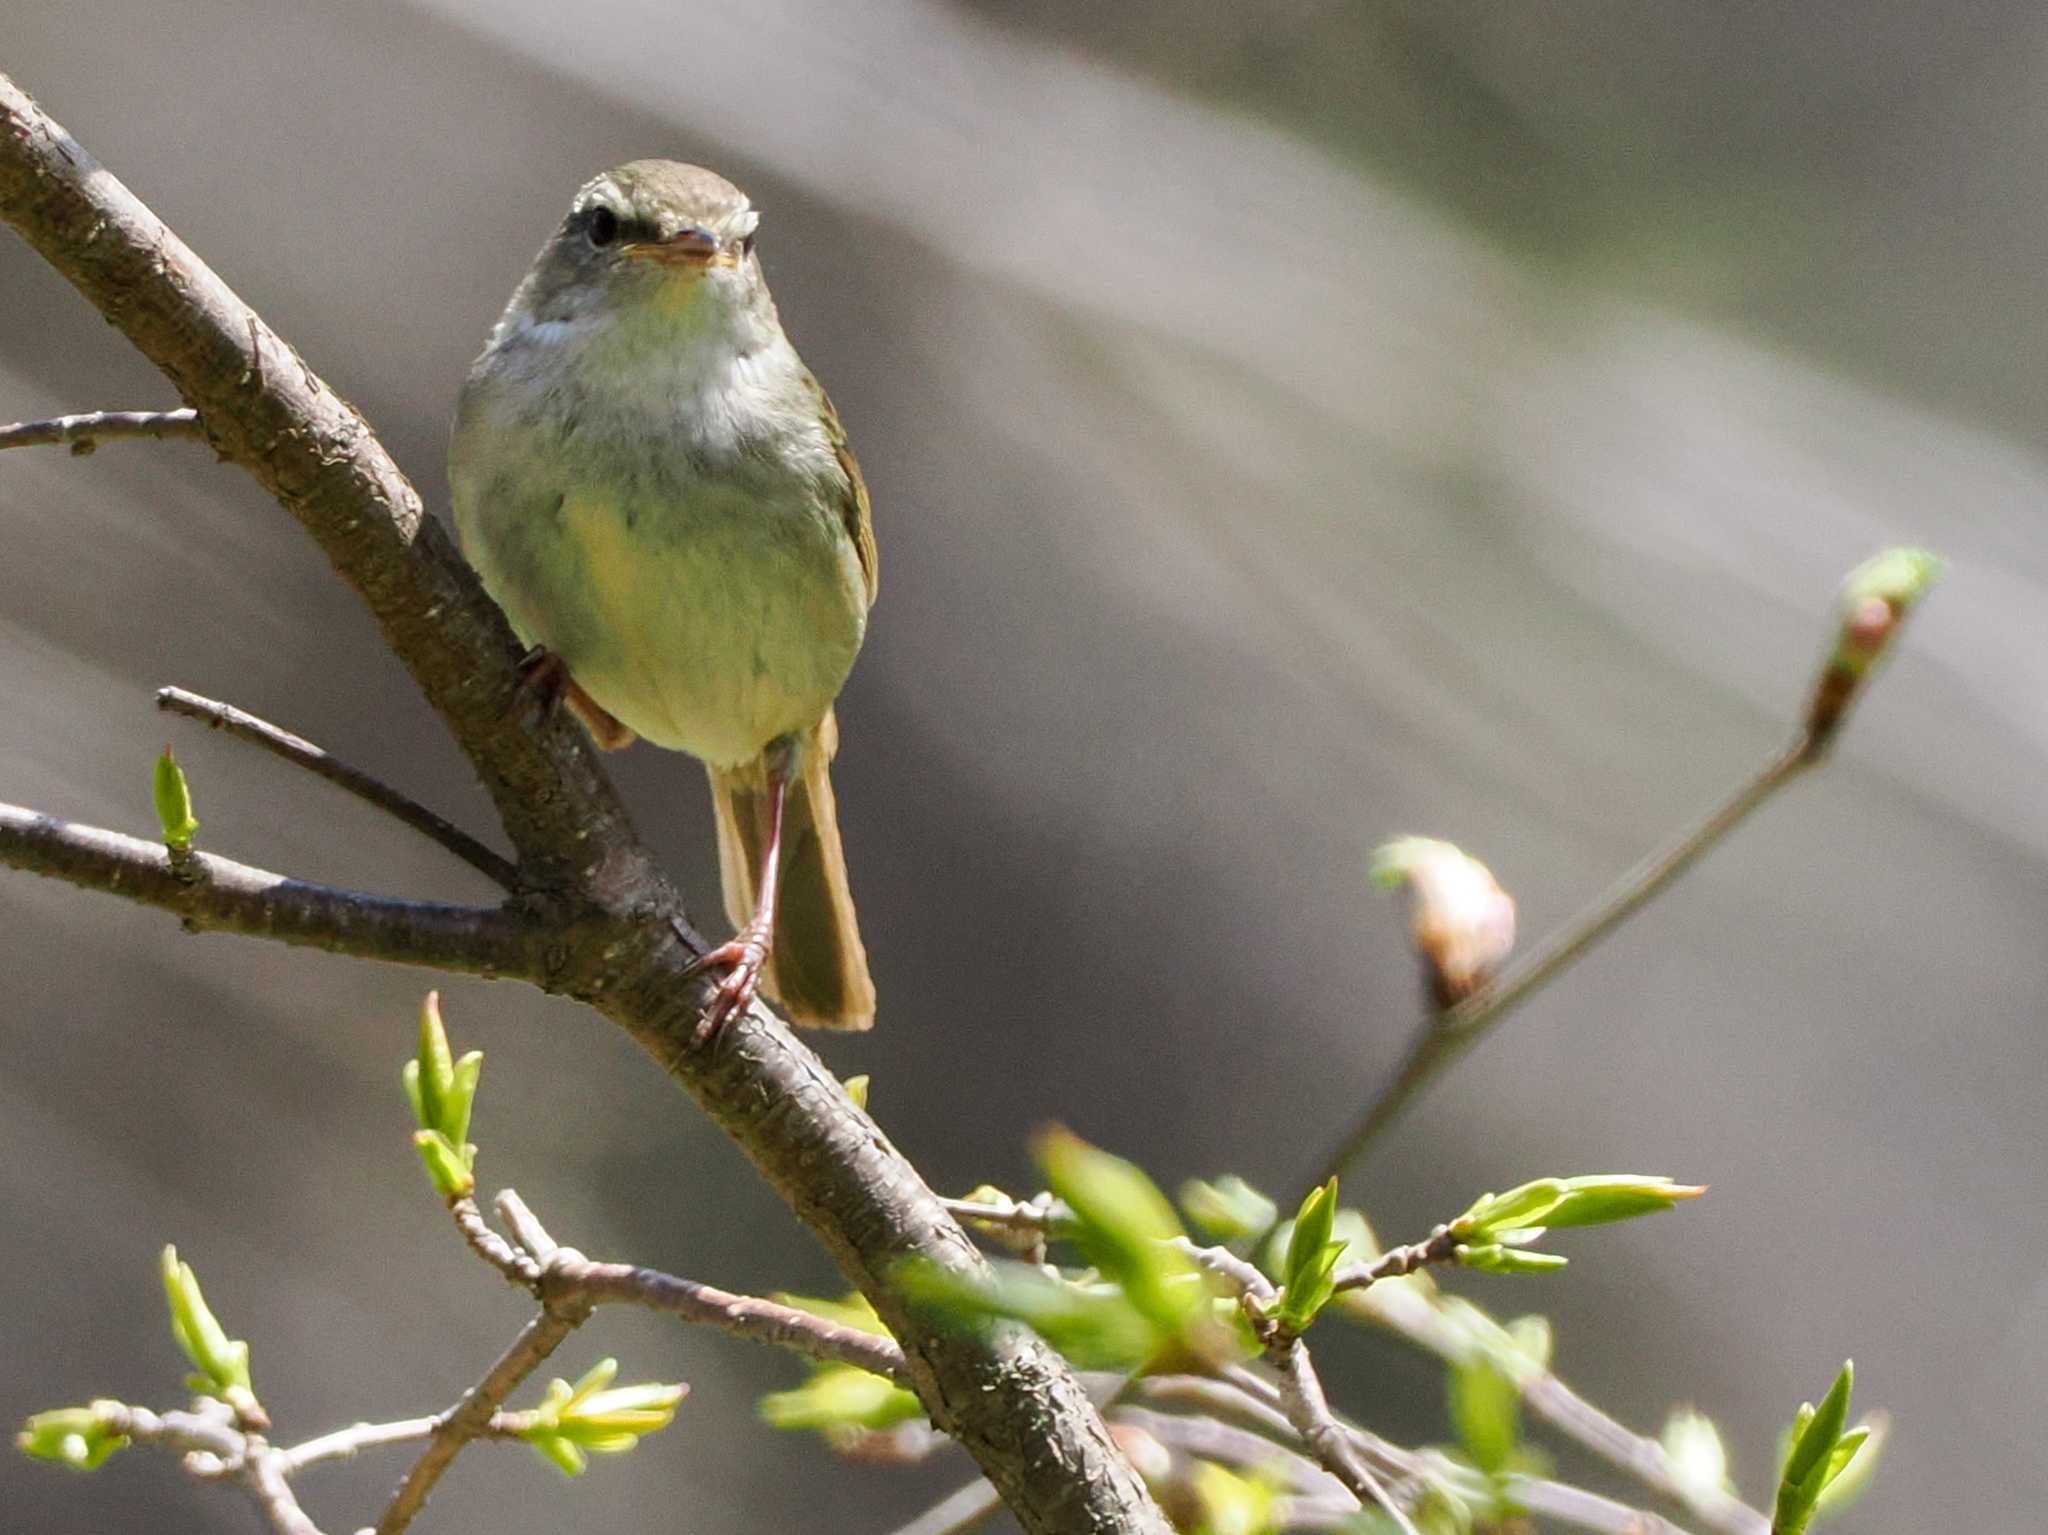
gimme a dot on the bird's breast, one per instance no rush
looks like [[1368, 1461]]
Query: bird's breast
[[709, 599]]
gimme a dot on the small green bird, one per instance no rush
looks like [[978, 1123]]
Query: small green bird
[[661, 498]]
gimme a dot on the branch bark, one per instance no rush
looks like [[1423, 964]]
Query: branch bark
[[209, 893], [85, 432], [608, 910]]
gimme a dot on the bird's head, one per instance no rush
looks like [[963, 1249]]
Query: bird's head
[[652, 237]]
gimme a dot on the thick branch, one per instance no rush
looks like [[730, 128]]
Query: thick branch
[[1008, 1399], [210, 893]]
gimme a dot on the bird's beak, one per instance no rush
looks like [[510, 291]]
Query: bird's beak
[[690, 247]]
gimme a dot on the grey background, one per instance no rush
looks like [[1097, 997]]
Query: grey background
[[1288, 426]]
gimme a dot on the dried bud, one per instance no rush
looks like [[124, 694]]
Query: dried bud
[[1876, 598], [1463, 922]]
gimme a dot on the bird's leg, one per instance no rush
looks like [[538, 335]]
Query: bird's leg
[[545, 683], [745, 954]]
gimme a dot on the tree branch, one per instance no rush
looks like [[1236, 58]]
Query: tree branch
[[471, 1418], [1550, 1400], [83, 433], [562, 1276], [211, 893], [1445, 1036], [214, 1447], [1301, 1399], [300, 752], [1007, 1398]]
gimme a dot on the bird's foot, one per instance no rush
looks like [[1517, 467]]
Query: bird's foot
[[545, 684], [543, 681], [743, 957]]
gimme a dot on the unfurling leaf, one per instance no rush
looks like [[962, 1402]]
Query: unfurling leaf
[[1096, 1326], [1125, 1227], [173, 798], [592, 1417], [79, 1437], [1229, 1209], [838, 1399], [1484, 1409], [1496, 1259], [220, 1363], [1818, 1455], [1236, 1505], [1312, 1255], [854, 1310], [442, 1092]]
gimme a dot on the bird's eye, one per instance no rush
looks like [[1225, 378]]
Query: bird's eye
[[603, 227]]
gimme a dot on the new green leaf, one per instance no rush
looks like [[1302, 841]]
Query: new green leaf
[[1125, 1227], [1820, 1451], [173, 803], [1229, 1209], [79, 1437], [221, 1363], [442, 1092], [591, 1417], [1311, 1261]]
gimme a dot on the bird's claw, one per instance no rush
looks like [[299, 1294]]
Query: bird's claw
[[743, 956], [543, 680]]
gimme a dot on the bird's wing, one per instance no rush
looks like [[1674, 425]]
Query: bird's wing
[[853, 507]]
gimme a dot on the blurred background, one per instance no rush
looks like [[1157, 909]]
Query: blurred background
[[1288, 426]]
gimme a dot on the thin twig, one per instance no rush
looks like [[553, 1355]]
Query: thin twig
[[216, 1448], [300, 752], [264, 1476], [561, 1276], [471, 1417], [219, 894], [1588, 1510], [1308, 1409], [347, 1443], [82, 433], [518, 1267], [1301, 1396], [742, 1316], [960, 1510], [1221, 1398], [525, 1226], [1447, 1035], [1043, 1213], [1440, 1246], [1549, 1400]]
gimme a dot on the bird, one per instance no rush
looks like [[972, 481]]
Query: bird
[[656, 491]]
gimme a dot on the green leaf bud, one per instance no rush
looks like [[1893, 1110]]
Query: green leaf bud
[[173, 804]]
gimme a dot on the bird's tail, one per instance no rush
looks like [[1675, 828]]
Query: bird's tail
[[817, 969]]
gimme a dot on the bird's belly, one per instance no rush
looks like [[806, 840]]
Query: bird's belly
[[713, 622]]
